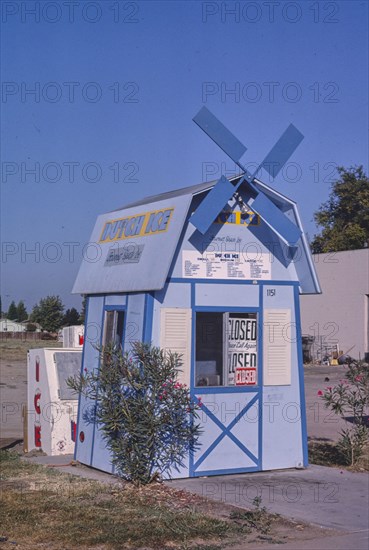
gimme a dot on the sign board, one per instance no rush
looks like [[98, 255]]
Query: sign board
[[131, 249], [241, 350], [225, 265]]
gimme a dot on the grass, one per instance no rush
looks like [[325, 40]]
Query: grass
[[258, 519], [16, 350], [40, 506]]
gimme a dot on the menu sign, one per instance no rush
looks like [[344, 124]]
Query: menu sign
[[242, 351], [225, 265]]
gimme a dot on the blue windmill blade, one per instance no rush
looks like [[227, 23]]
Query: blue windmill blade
[[276, 219], [282, 150], [212, 204], [220, 135]]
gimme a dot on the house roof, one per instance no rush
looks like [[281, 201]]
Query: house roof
[[142, 260]]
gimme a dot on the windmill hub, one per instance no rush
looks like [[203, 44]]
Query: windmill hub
[[241, 203]]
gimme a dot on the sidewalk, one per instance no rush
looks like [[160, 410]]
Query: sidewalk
[[326, 497]]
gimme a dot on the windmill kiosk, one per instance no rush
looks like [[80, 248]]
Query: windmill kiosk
[[213, 272]]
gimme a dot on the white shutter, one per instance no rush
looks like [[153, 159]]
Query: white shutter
[[277, 347], [175, 335]]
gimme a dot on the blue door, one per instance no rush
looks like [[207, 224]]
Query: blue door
[[226, 382]]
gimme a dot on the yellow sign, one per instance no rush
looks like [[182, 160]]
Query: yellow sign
[[141, 225], [238, 218]]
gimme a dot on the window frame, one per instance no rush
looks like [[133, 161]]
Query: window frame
[[115, 309]]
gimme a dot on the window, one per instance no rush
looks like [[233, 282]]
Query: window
[[226, 349], [114, 324]]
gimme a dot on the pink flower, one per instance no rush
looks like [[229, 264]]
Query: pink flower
[[358, 378], [320, 393], [85, 369]]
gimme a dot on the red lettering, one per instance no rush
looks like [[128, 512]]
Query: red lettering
[[37, 369], [37, 436], [73, 426], [36, 402]]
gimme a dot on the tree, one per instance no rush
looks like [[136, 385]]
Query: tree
[[12, 312], [71, 317], [344, 217], [48, 313], [145, 415], [83, 312], [22, 314]]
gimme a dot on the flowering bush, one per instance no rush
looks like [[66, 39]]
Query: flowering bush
[[144, 413], [350, 398]]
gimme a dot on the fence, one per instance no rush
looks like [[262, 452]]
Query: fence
[[26, 336]]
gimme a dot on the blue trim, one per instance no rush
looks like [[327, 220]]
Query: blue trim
[[260, 378], [125, 309], [193, 362], [81, 373], [225, 389], [232, 282], [115, 308], [144, 320], [148, 318], [222, 309], [226, 431], [300, 362], [193, 294], [101, 339], [223, 472]]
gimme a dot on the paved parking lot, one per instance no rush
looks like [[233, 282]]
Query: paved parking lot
[[322, 423]]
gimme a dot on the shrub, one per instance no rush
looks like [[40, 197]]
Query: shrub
[[146, 416], [351, 398], [47, 336]]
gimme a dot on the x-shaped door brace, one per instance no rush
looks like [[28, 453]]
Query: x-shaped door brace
[[226, 431]]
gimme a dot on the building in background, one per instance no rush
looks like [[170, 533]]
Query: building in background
[[7, 325], [338, 319]]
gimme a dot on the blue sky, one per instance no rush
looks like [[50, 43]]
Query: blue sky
[[115, 86]]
